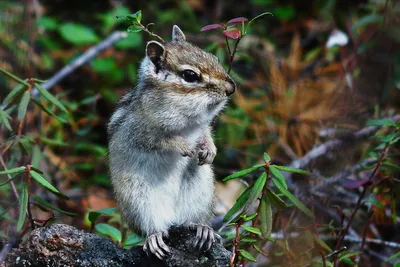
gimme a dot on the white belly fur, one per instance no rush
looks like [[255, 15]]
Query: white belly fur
[[165, 189]]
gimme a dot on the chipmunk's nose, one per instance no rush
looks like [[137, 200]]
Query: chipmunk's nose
[[232, 88]]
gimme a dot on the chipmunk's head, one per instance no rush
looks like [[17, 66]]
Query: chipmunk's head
[[185, 72]]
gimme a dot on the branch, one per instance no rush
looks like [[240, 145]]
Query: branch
[[84, 58], [391, 244], [331, 145]]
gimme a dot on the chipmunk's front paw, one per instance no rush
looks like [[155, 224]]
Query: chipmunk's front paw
[[185, 149], [188, 152], [207, 153], [155, 245]]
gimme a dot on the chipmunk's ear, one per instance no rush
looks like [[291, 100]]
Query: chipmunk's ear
[[155, 51], [177, 34]]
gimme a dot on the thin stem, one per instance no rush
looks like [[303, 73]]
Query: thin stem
[[151, 33], [30, 218], [13, 187], [365, 189], [364, 235], [236, 242], [227, 46], [232, 55]]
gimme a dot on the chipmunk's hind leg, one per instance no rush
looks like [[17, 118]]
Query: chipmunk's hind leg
[[155, 245], [205, 237]]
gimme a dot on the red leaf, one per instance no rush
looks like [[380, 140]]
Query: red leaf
[[232, 34], [237, 20], [211, 27]]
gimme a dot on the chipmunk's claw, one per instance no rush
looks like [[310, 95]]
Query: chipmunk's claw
[[189, 153], [205, 237], [206, 154], [155, 245]]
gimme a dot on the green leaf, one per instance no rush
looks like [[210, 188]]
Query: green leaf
[[4, 119], [47, 23], [36, 156], [257, 17], [48, 111], [95, 214], [23, 105], [347, 255], [249, 196], [8, 180], [36, 170], [369, 19], [131, 41], [375, 202], [265, 217], [78, 34], [23, 207], [278, 175], [135, 28], [245, 254], [7, 209], [50, 97], [388, 137], [395, 256], [108, 230], [251, 229], [139, 16], [267, 158], [17, 170], [275, 200], [243, 172], [16, 92], [248, 240], [103, 65], [132, 240], [321, 243], [288, 169], [397, 264], [48, 205], [135, 18], [52, 142], [256, 190], [240, 202], [41, 180], [394, 141], [249, 218], [285, 12], [292, 198], [12, 76], [383, 122]]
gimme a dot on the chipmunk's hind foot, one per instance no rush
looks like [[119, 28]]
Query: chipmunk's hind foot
[[155, 245], [205, 237]]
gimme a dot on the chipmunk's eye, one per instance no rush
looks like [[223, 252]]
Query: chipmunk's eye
[[190, 76]]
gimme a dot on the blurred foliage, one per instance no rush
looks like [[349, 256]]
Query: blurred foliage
[[295, 92]]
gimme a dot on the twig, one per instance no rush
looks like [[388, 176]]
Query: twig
[[4, 251], [151, 33], [336, 217], [331, 145], [236, 242], [391, 244], [232, 55], [13, 187], [339, 176], [84, 58]]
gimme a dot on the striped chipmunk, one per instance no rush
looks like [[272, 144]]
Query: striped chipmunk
[[160, 143]]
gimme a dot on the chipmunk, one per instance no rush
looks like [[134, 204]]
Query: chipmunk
[[160, 143]]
